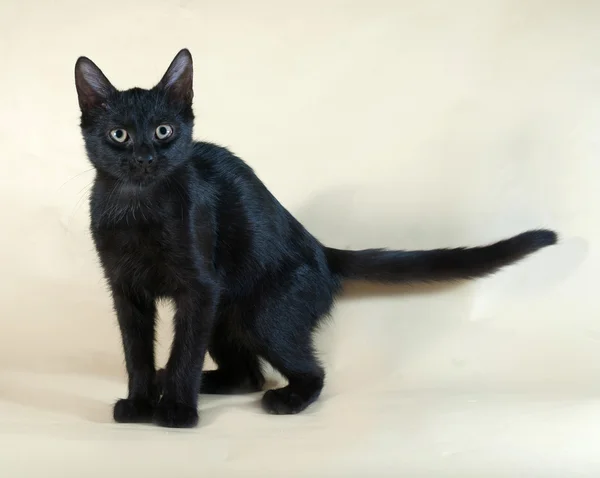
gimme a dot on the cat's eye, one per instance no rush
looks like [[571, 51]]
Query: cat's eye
[[163, 131], [119, 135]]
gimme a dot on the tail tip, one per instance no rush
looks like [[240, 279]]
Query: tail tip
[[539, 238]]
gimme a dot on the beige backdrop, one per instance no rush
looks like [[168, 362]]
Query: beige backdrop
[[400, 123]]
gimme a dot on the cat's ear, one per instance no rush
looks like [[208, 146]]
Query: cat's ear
[[177, 82], [93, 88]]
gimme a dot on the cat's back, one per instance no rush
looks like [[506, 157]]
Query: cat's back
[[253, 227], [235, 181], [213, 159]]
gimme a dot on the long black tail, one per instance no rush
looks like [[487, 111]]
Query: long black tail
[[380, 265]]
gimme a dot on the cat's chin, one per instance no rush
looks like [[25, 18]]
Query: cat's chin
[[138, 186]]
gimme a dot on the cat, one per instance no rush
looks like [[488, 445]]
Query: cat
[[189, 221]]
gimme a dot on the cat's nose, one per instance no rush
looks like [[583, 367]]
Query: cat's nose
[[144, 159]]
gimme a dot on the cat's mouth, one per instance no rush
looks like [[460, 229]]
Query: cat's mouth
[[136, 189], [138, 183], [140, 177]]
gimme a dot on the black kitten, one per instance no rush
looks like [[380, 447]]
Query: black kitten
[[185, 220]]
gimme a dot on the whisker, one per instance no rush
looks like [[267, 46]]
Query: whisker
[[79, 202], [74, 177]]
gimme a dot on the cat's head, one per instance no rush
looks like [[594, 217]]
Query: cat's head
[[137, 136]]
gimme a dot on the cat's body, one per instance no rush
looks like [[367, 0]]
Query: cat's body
[[173, 218], [267, 272]]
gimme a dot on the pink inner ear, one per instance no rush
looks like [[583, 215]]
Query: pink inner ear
[[176, 71], [94, 79]]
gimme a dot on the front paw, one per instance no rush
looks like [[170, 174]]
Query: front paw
[[175, 415], [133, 411]]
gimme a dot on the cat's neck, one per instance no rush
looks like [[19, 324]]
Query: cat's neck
[[116, 190], [114, 200]]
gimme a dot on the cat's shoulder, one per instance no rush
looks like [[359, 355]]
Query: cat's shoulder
[[214, 156], [210, 151]]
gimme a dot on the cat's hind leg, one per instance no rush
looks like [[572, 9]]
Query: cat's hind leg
[[297, 363], [238, 369], [288, 315]]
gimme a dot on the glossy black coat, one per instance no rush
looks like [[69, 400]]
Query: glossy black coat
[[191, 222]]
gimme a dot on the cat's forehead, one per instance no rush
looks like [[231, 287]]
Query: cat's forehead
[[138, 104]]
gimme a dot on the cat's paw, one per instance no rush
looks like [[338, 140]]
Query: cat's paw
[[133, 411], [283, 401], [175, 415]]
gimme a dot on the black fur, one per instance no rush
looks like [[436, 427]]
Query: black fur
[[191, 222]]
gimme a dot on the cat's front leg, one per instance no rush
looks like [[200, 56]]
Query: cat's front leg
[[194, 317], [136, 315]]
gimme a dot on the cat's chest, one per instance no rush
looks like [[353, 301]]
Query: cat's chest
[[153, 256]]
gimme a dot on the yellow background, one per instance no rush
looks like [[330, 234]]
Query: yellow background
[[401, 124]]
